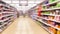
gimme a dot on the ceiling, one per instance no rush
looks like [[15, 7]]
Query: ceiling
[[16, 3]]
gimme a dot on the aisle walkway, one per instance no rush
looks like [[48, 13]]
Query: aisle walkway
[[24, 26]]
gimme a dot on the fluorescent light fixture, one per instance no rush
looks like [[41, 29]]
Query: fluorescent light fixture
[[23, 3]]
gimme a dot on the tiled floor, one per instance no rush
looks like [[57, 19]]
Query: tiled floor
[[24, 26]]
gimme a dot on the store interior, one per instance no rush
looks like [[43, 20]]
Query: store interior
[[29, 16]]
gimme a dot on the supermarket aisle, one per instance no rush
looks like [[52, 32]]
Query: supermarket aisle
[[24, 26]]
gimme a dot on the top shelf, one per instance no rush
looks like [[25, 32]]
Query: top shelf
[[51, 3]]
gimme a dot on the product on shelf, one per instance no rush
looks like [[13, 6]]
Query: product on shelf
[[58, 5], [46, 2], [39, 10], [7, 15], [53, 12], [51, 17], [58, 32], [57, 18], [50, 14], [53, 30], [46, 12], [49, 22], [57, 25], [50, 1], [57, 12]]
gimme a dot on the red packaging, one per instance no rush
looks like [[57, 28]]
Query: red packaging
[[39, 10]]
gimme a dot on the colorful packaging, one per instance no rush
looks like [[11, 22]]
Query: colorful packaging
[[51, 17], [53, 23], [58, 4], [58, 26], [57, 12], [49, 22], [46, 2], [39, 10], [58, 32], [47, 12], [57, 18], [50, 1], [53, 30]]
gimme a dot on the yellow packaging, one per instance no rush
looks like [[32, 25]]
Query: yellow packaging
[[58, 32]]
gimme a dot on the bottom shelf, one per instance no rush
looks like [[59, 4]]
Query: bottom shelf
[[49, 29], [46, 29], [6, 24]]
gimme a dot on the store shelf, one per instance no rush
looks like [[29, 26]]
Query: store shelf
[[50, 14], [4, 23], [46, 29], [7, 12], [51, 3], [47, 24], [5, 19], [51, 20], [50, 9], [7, 15], [0, 8]]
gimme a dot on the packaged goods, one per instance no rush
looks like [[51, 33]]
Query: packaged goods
[[57, 18], [50, 1], [58, 32], [53, 30], [51, 17], [58, 4]]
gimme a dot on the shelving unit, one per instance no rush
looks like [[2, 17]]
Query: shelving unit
[[7, 15], [49, 15], [42, 25], [51, 3]]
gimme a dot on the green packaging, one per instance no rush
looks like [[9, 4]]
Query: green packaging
[[58, 4], [46, 12], [51, 1]]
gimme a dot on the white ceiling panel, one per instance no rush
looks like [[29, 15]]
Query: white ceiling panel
[[15, 3]]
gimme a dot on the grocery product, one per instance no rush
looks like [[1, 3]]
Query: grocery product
[[58, 32], [48, 21], [46, 2], [57, 12], [50, 1], [39, 10], [57, 25], [58, 4], [51, 17], [57, 18], [53, 30], [52, 12]]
